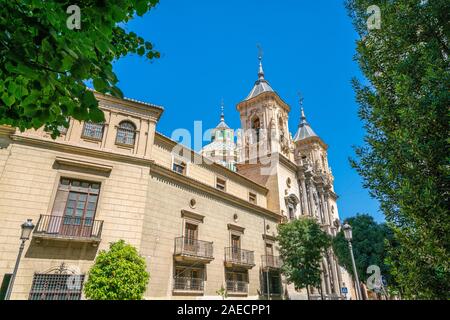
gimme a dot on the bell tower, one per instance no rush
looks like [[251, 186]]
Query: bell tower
[[264, 122]]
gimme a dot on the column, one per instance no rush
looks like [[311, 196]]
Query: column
[[326, 277], [324, 213], [304, 198], [311, 198]]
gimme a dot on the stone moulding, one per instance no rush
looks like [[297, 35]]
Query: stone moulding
[[156, 169]]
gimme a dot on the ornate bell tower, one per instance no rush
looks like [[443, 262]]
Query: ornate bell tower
[[264, 121]]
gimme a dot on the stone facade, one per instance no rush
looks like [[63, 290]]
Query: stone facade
[[199, 225]]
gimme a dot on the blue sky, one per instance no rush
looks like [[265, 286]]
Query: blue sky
[[208, 51]]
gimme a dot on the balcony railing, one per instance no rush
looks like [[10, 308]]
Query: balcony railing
[[193, 248], [239, 256], [63, 227], [237, 286], [188, 284], [270, 261]]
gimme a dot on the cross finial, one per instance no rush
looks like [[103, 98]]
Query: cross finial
[[302, 112], [222, 115], [300, 99]]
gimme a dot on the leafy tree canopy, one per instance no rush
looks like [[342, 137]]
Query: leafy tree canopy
[[44, 64], [302, 244], [369, 246], [404, 161], [118, 274]]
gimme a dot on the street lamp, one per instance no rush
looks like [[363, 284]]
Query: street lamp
[[348, 236], [27, 227]]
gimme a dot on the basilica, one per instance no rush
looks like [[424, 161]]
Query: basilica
[[204, 222]]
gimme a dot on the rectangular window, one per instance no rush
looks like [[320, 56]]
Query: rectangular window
[[221, 184], [237, 282], [179, 167], [56, 287], [252, 198], [188, 279], [271, 283], [291, 213], [93, 130], [269, 249]]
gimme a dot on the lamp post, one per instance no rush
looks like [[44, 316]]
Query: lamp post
[[348, 236], [27, 227]]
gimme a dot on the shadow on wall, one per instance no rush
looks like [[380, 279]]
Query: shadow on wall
[[58, 249]]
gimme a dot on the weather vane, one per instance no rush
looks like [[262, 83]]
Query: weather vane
[[260, 51], [300, 99]]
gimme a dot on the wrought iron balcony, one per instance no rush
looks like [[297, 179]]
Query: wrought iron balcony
[[234, 286], [271, 262], [239, 257], [194, 250], [68, 228], [188, 284]]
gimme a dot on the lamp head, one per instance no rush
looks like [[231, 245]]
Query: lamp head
[[27, 227]]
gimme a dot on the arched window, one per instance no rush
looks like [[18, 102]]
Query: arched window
[[256, 125], [126, 133]]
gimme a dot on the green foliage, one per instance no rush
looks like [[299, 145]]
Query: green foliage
[[302, 244], [118, 274], [369, 246], [404, 161], [44, 64], [222, 292]]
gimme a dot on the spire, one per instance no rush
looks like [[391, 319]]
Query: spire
[[304, 129], [302, 111], [261, 85], [222, 124], [260, 71], [222, 115]]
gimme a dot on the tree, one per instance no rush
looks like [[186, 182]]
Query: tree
[[118, 274], [369, 246], [46, 57], [302, 245], [404, 162]]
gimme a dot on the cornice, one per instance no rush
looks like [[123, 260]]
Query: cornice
[[208, 164], [287, 162], [126, 105], [83, 164], [192, 215], [307, 141], [7, 130], [192, 183], [79, 150], [261, 97], [236, 228], [268, 237]]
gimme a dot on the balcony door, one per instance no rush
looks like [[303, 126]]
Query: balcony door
[[269, 254], [74, 209], [191, 237], [236, 247], [188, 279]]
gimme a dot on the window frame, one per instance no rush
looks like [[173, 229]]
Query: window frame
[[252, 197], [179, 163], [90, 137], [221, 186], [125, 132]]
